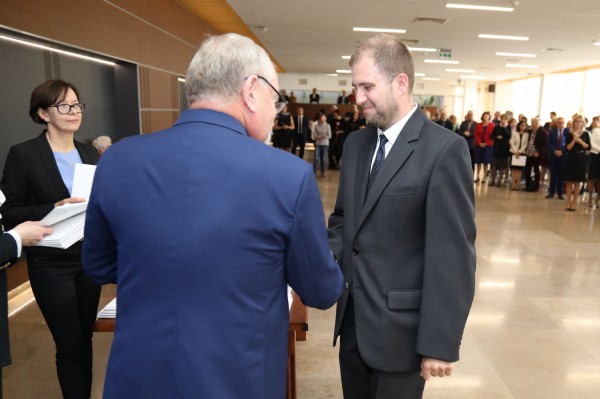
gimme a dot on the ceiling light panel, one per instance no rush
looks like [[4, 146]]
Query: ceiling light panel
[[423, 49], [430, 61], [502, 37], [379, 30], [521, 55], [479, 8]]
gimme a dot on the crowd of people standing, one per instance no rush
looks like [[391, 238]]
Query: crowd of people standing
[[507, 150]]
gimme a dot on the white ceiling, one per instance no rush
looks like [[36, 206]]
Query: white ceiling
[[310, 36]]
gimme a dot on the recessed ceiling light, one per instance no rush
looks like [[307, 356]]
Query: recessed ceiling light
[[431, 78], [343, 71], [474, 77], [430, 61], [331, 74], [423, 49], [380, 30], [182, 80], [481, 8], [596, 43], [522, 66], [346, 57], [502, 37], [419, 74], [460, 70], [522, 55]]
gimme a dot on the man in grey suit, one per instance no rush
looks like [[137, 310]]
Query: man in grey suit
[[403, 231]]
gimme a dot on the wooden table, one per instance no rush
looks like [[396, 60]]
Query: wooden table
[[297, 329]]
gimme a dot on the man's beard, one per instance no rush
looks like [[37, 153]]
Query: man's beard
[[383, 118]]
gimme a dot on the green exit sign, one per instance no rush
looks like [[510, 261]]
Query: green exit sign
[[445, 53]]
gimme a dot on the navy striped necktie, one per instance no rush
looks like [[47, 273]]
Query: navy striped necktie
[[379, 158]]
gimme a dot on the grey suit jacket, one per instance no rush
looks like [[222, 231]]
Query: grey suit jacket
[[409, 249]]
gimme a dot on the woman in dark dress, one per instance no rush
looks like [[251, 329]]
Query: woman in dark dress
[[577, 142], [500, 151], [283, 130]]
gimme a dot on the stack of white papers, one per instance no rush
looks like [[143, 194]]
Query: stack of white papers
[[68, 220], [109, 311]]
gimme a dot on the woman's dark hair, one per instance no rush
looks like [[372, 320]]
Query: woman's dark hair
[[486, 113], [51, 92], [521, 123]]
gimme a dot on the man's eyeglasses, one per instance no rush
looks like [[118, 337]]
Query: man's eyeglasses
[[65, 109], [282, 102]]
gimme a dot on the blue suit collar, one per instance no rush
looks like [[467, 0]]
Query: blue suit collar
[[211, 117]]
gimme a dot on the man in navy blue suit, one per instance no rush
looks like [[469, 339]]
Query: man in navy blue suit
[[556, 158], [202, 226]]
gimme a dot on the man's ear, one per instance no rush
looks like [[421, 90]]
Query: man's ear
[[401, 80], [249, 93]]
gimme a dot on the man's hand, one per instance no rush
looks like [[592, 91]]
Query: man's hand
[[435, 368], [31, 232]]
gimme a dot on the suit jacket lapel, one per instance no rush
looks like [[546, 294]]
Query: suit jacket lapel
[[397, 156], [363, 167]]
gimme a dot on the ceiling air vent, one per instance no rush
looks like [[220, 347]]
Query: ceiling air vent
[[439, 21], [409, 41], [557, 50]]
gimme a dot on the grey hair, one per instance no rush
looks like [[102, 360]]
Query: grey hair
[[390, 55], [222, 64], [102, 142]]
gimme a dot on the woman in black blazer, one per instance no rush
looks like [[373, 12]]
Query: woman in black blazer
[[38, 176]]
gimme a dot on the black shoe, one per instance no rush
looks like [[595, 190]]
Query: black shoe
[[549, 196], [560, 197]]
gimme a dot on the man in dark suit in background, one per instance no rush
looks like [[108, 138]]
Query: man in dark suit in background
[[301, 132], [444, 121], [403, 231], [342, 99], [11, 243], [556, 158], [204, 245], [536, 147], [467, 131]]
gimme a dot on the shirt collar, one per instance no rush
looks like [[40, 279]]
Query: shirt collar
[[394, 131]]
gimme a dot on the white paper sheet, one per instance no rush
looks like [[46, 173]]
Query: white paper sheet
[[65, 233], [63, 212], [82, 180]]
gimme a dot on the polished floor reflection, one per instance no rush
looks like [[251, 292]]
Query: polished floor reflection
[[533, 332]]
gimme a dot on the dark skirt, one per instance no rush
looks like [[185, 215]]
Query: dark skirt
[[575, 166], [594, 171], [282, 139], [483, 155]]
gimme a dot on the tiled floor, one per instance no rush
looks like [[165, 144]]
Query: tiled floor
[[533, 332]]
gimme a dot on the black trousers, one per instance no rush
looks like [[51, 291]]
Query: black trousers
[[532, 163], [69, 302], [298, 141], [359, 381]]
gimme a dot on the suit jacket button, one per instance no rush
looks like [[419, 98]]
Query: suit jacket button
[[355, 251]]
